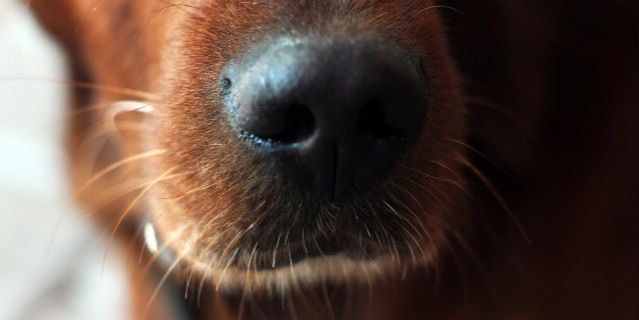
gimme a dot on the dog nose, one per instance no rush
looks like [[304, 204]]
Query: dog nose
[[333, 116]]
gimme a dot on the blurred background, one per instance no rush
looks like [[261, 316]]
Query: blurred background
[[52, 265]]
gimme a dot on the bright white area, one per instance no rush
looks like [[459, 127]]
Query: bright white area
[[51, 260]]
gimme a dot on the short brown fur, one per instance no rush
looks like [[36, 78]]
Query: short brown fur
[[193, 180]]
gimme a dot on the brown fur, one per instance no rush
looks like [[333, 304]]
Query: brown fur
[[170, 55]]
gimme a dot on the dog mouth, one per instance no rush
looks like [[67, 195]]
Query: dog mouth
[[297, 251], [278, 233], [284, 253]]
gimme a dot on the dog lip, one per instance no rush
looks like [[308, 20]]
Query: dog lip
[[299, 251], [284, 256], [292, 254]]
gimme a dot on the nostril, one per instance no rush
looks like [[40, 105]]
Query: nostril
[[297, 125], [373, 122]]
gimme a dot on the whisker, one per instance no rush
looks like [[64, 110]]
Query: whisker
[[97, 176], [159, 286], [251, 258], [277, 245], [475, 259], [481, 154], [131, 206], [166, 246], [164, 176], [189, 192], [426, 174], [90, 86], [447, 168], [184, 8], [453, 9], [429, 188], [498, 197], [416, 217], [102, 202], [401, 217]]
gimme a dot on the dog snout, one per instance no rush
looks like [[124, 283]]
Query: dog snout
[[331, 115]]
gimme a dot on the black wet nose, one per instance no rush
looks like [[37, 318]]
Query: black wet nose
[[331, 115]]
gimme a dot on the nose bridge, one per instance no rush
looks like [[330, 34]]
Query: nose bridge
[[338, 112], [331, 92]]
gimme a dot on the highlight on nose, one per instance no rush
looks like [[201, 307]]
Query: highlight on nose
[[333, 115]]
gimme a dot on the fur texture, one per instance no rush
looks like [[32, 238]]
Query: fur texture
[[220, 215]]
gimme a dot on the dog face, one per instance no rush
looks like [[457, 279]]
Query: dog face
[[293, 141]]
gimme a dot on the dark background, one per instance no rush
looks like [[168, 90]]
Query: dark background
[[553, 92]]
